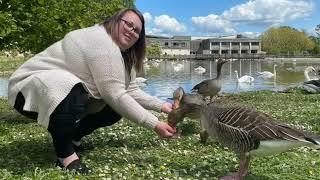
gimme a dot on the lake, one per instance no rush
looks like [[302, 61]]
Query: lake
[[163, 77]]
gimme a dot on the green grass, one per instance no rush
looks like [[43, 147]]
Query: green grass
[[9, 64], [128, 151]]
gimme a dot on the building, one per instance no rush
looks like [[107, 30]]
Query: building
[[176, 45], [185, 45], [237, 44]]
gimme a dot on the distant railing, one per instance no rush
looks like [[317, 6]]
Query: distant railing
[[227, 56], [207, 56]]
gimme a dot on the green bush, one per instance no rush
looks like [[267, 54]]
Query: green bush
[[35, 24]]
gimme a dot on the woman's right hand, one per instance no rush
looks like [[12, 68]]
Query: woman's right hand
[[164, 130]]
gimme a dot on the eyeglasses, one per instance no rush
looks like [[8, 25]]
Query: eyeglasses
[[130, 27]]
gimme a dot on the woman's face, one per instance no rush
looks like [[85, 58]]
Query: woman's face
[[129, 28]]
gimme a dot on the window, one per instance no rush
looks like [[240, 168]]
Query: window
[[224, 52]]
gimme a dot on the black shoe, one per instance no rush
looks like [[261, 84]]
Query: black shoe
[[75, 165]]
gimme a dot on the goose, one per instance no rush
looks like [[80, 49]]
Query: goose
[[210, 87], [307, 71], [267, 74], [200, 70], [248, 133], [180, 98], [185, 105], [315, 82], [244, 79], [310, 86]]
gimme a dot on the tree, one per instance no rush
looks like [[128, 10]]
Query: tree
[[35, 24], [286, 39], [318, 30], [153, 50]]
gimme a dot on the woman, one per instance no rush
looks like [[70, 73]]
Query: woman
[[86, 81]]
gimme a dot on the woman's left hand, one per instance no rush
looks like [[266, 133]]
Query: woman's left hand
[[166, 107]]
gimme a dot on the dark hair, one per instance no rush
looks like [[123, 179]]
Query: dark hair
[[135, 55]]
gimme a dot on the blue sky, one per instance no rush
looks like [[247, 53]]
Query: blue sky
[[215, 18]]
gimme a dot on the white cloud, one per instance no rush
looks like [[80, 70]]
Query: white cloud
[[147, 17], [212, 24], [263, 13], [251, 34], [268, 12], [167, 24], [254, 12]]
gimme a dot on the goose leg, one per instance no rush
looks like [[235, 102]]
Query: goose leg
[[244, 166], [203, 136], [243, 170]]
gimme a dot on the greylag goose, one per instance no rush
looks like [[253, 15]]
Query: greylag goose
[[311, 86], [248, 133], [210, 87], [180, 98], [185, 105]]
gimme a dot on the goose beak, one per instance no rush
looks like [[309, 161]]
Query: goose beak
[[176, 104]]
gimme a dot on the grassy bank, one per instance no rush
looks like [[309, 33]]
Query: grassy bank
[[9, 64], [127, 151]]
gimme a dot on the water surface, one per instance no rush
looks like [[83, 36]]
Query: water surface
[[165, 76]]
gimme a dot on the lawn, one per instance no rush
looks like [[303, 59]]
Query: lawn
[[128, 151], [9, 65]]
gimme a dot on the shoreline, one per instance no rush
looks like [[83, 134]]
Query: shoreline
[[291, 59]]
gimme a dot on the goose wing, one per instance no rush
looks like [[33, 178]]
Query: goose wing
[[243, 129], [314, 82], [259, 124], [192, 99], [202, 85]]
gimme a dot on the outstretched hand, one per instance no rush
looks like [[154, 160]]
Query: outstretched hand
[[164, 130], [166, 107]]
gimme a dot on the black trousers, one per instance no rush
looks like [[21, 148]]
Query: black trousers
[[65, 124]]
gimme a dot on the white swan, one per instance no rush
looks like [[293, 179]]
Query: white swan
[[307, 71], [200, 70], [140, 80], [267, 74], [244, 79], [177, 67]]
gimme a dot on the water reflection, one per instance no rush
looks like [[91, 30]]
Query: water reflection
[[3, 87], [165, 76]]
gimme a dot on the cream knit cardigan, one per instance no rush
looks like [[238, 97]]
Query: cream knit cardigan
[[87, 56]]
